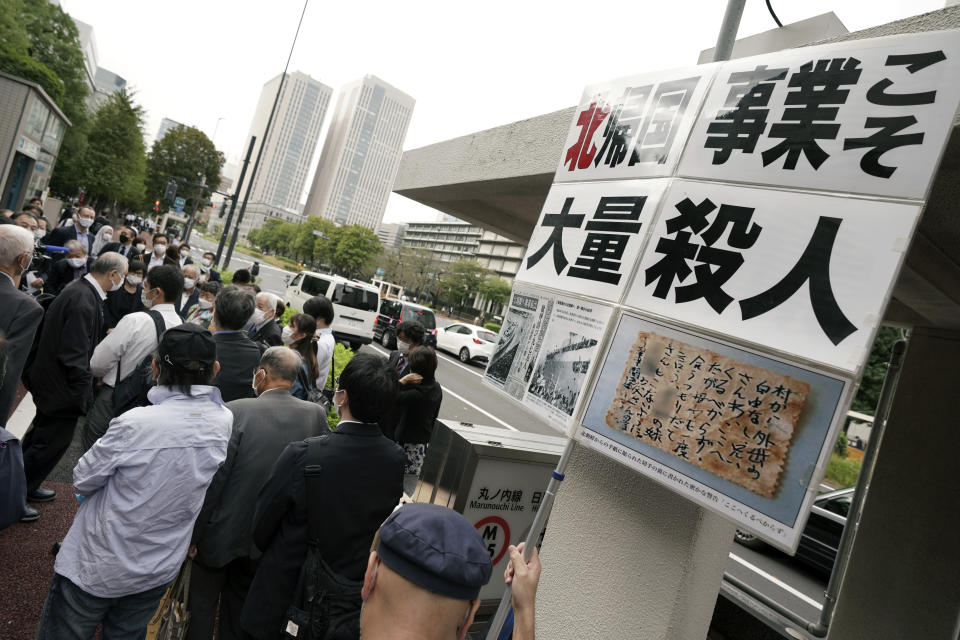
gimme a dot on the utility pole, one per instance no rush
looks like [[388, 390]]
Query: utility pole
[[233, 205], [266, 132], [728, 30], [193, 216]]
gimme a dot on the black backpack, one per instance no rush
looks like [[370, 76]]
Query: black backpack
[[326, 605], [132, 391]]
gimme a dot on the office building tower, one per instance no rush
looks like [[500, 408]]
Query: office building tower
[[361, 153], [291, 141], [165, 125]]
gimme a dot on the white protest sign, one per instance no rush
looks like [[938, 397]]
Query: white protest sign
[[589, 236], [796, 273], [633, 127], [866, 116]]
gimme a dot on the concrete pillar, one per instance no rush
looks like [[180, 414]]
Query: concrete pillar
[[903, 579], [626, 558]]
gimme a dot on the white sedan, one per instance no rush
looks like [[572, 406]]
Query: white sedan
[[469, 342]]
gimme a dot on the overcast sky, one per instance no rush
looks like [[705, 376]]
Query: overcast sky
[[470, 66]]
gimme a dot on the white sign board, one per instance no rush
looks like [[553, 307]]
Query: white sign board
[[633, 127], [740, 433], [589, 236], [866, 116], [546, 347], [503, 501], [797, 273]]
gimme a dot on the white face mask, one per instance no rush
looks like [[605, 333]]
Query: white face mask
[[184, 255], [206, 262], [189, 283], [159, 249], [140, 247], [134, 280], [143, 298], [117, 284], [403, 347], [76, 263], [205, 304], [85, 222], [39, 233], [258, 317], [107, 237], [254, 383], [287, 336]]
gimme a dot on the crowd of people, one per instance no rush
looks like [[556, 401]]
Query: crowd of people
[[204, 426]]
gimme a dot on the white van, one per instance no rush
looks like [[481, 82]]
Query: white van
[[355, 304]]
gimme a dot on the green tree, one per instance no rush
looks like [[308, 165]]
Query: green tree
[[16, 45], [868, 395], [115, 162], [461, 280], [351, 249], [183, 152], [495, 289]]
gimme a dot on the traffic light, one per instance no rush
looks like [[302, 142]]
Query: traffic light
[[156, 205], [171, 193]]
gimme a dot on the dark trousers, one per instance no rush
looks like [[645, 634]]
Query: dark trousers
[[227, 585], [44, 444], [70, 613]]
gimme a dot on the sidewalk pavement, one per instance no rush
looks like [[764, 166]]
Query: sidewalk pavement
[[25, 547]]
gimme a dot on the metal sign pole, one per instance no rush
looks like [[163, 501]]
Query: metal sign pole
[[538, 523]]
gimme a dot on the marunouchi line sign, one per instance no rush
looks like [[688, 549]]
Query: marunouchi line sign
[[714, 258]]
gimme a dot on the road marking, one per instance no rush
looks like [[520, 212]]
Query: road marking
[[778, 582], [457, 396], [826, 487], [457, 362]]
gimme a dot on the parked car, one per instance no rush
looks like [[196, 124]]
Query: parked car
[[393, 312], [820, 538], [354, 304], [467, 341]]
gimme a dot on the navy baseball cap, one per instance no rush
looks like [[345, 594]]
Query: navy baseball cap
[[187, 346], [435, 548]]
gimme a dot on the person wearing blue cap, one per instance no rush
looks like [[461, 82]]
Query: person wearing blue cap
[[425, 573]]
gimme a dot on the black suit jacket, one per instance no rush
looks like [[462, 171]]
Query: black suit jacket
[[60, 378], [239, 357], [19, 321], [262, 428], [269, 335], [215, 276], [61, 274], [59, 236], [354, 506], [419, 406], [191, 300], [131, 254]]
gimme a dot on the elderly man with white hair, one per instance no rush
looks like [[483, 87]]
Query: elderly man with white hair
[[265, 329], [21, 313], [59, 377], [188, 298]]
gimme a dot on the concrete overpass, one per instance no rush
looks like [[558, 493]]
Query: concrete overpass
[[624, 557]]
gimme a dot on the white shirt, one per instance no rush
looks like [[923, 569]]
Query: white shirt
[[183, 299], [325, 346], [154, 261], [144, 483], [96, 285], [134, 338]]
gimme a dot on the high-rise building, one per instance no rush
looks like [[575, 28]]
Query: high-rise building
[[101, 82], [291, 141], [361, 153], [165, 125], [391, 235]]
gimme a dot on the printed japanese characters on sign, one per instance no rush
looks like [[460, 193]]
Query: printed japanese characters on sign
[[730, 418], [798, 273], [633, 127], [589, 236], [867, 116]]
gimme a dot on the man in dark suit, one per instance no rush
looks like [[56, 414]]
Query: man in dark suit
[[206, 267], [63, 272], [266, 332], [352, 507], [409, 336], [59, 377], [190, 295], [237, 354], [226, 558], [21, 314], [80, 230], [125, 246]]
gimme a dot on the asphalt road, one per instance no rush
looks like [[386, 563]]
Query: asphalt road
[[271, 278]]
